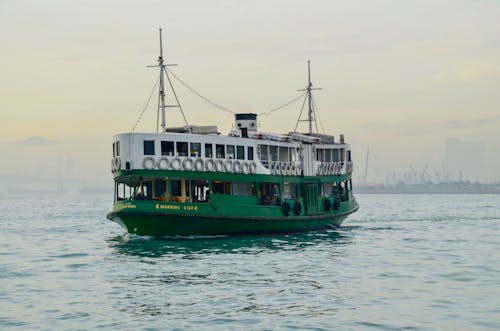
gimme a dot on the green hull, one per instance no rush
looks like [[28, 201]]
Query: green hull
[[182, 225], [172, 224]]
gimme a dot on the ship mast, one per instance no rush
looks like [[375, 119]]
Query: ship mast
[[161, 102], [311, 117]]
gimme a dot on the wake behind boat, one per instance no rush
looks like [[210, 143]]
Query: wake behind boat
[[191, 180]]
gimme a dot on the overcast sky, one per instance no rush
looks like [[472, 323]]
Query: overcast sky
[[397, 77]]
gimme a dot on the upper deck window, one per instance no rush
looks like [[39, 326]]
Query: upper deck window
[[195, 149], [118, 148], [250, 153], [336, 155], [328, 155], [263, 152], [114, 150], [273, 153], [149, 147], [240, 152], [182, 148], [167, 148], [293, 154], [320, 154], [230, 151], [208, 150], [220, 151], [283, 154]]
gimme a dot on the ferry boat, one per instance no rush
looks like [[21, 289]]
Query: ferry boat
[[192, 180]]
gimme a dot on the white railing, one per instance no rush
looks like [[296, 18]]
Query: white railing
[[333, 168]]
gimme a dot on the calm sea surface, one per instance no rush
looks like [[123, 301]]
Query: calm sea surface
[[402, 262]]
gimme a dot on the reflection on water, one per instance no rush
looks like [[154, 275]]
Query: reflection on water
[[157, 247]]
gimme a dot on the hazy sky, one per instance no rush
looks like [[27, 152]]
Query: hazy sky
[[398, 77]]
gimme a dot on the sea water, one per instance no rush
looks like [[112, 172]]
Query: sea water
[[416, 262]]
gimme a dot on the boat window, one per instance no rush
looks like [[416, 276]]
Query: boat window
[[149, 147], [182, 148], [167, 148], [289, 191], [293, 154], [348, 156], [263, 152], [342, 191], [328, 189], [117, 148], [273, 153], [240, 152], [199, 191], [328, 155], [160, 189], [336, 155], [208, 150], [269, 194], [342, 155], [176, 189], [144, 191], [220, 151], [230, 151], [195, 149], [243, 188], [283, 154], [114, 150], [320, 154], [221, 187], [250, 153]]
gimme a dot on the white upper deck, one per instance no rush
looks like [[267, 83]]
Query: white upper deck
[[260, 153]]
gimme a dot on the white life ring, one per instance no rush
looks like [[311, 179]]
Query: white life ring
[[244, 168], [198, 164], [252, 168], [187, 164], [219, 165], [228, 166], [148, 163], [209, 165], [236, 166], [176, 163], [288, 169], [162, 163]]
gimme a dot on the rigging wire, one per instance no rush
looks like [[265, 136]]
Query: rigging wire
[[199, 95], [319, 118], [282, 106], [300, 115], [146, 106]]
